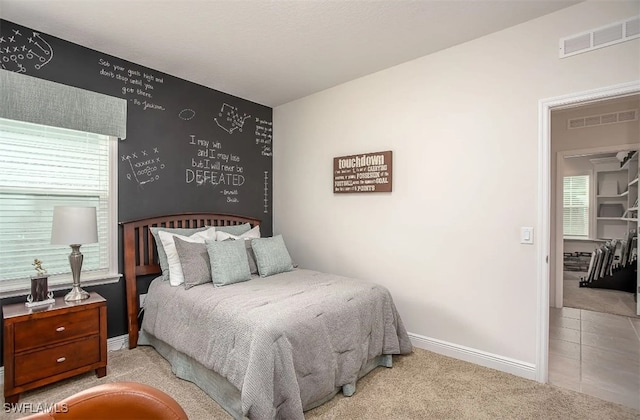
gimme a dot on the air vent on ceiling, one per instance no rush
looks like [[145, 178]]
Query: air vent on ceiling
[[602, 119], [605, 36]]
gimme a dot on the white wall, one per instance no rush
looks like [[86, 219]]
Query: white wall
[[463, 127], [580, 165]]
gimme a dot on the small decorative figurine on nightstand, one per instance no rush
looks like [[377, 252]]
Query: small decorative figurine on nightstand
[[38, 267], [40, 294]]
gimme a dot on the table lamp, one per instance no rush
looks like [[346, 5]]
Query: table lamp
[[74, 226]]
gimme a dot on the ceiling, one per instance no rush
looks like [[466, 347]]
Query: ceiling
[[271, 52]]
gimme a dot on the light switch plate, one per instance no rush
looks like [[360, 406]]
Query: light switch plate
[[526, 235]]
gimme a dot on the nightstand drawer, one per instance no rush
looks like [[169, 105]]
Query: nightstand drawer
[[35, 333], [48, 362]]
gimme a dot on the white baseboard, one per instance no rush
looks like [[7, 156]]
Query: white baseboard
[[113, 344], [482, 358], [479, 357]]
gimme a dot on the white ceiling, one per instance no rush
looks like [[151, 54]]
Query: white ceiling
[[271, 52]]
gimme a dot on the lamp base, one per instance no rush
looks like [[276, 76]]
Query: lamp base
[[76, 294]]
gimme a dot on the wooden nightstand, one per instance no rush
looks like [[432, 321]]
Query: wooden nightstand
[[46, 345]]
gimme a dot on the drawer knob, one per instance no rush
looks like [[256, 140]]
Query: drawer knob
[[61, 359], [60, 329]]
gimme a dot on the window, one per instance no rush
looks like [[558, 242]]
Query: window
[[576, 206], [42, 167]]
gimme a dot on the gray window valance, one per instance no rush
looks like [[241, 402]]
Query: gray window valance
[[40, 101]]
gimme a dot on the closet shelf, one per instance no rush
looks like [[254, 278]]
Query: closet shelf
[[616, 211]]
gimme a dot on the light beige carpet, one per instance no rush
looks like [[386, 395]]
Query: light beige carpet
[[600, 300], [423, 385]]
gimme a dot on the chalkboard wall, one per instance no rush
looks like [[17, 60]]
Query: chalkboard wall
[[188, 148]]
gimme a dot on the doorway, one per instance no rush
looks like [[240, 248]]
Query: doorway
[[550, 254]]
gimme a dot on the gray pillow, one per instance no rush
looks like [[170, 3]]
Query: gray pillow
[[251, 257], [235, 229], [272, 256], [162, 255], [228, 262], [194, 259]]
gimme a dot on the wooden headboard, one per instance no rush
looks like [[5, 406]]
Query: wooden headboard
[[140, 252]]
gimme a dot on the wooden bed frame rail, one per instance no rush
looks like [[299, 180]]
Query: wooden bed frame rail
[[140, 254]]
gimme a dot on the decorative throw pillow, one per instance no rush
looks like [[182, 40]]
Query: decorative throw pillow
[[247, 236], [252, 233], [272, 256], [228, 262], [176, 278], [235, 229], [162, 255], [194, 260]]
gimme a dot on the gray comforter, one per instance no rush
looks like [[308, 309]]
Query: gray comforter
[[284, 341]]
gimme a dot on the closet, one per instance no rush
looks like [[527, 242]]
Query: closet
[[616, 195]]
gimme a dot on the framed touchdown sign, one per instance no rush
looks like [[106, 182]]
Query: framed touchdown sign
[[367, 172]]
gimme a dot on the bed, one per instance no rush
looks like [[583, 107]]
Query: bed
[[270, 347]]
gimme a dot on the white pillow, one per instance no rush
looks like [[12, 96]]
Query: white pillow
[[253, 233], [175, 269]]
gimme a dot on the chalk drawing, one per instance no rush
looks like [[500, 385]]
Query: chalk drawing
[[187, 114], [143, 167], [229, 118], [18, 51], [266, 192]]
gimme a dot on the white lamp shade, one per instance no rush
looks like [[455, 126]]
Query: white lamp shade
[[74, 226]]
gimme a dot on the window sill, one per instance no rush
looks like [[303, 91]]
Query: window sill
[[22, 287], [582, 239]]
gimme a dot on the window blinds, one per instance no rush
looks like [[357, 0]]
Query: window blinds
[[42, 167], [576, 206]]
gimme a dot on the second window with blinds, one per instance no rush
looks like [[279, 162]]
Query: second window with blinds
[[575, 208]]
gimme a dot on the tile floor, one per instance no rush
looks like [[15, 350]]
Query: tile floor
[[595, 353]]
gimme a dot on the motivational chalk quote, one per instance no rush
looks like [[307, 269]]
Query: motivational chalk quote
[[136, 83], [211, 166]]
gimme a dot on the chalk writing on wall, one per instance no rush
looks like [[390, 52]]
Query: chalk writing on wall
[[229, 118], [137, 86], [264, 136], [162, 112], [19, 51], [143, 167], [368, 172], [210, 166]]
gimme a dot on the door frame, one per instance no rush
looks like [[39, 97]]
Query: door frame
[[544, 194]]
